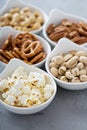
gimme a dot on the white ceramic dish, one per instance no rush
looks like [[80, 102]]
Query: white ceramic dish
[[64, 45], [13, 64], [6, 31], [21, 4], [55, 17]]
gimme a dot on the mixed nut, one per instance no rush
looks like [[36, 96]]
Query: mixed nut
[[70, 66]]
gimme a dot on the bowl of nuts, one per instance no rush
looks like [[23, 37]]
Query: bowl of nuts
[[25, 89], [67, 64], [22, 16], [30, 48], [61, 25]]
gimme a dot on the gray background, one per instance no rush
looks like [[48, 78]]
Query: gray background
[[68, 111]]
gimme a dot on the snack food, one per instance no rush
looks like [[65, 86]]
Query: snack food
[[24, 89], [75, 31], [70, 67], [23, 46], [22, 19]]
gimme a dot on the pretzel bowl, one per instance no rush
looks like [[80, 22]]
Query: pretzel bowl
[[59, 21], [28, 47], [63, 47], [22, 16], [8, 71]]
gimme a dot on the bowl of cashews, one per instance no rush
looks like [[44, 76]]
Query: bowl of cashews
[[25, 46], [61, 24], [67, 64], [22, 16], [25, 89]]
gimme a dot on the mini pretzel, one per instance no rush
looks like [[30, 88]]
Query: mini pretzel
[[30, 50], [7, 43], [37, 57]]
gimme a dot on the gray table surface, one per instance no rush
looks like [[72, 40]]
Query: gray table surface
[[68, 111]]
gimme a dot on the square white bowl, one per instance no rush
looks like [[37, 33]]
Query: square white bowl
[[6, 31], [63, 46], [21, 4], [9, 69], [55, 17]]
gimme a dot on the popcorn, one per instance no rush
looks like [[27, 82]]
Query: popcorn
[[10, 100], [19, 73], [25, 90], [48, 90], [37, 79]]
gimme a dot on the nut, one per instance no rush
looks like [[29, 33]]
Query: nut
[[62, 70], [67, 57], [58, 59], [83, 59], [72, 62], [69, 75], [63, 78], [75, 80], [81, 53], [53, 64], [54, 71], [82, 72], [75, 71], [83, 78], [80, 66]]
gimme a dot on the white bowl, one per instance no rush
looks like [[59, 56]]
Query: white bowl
[[6, 31], [64, 45], [21, 4], [13, 64], [55, 17]]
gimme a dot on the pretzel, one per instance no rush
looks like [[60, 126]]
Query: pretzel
[[21, 38], [37, 57], [31, 49], [7, 43], [23, 46]]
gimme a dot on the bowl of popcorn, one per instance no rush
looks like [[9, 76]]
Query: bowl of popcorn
[[61, 24], [30, 48], [67, 64], [22, 16], [25, 89]]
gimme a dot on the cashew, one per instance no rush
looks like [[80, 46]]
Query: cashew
[[75, 71], [83, 78], [62, 70], [82, 72], [72, 62], [75, 80], [68, 57], [16, 18], [8, 15], [80, 66], [36, 26], [25, 10], [69, 75], [63, 78], [83, 59], [81, 53], [53, 64], [14, 10], [54, 71]]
